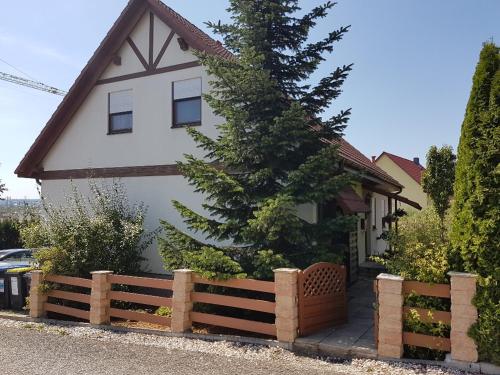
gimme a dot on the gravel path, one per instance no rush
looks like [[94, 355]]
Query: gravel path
[[36, 348]]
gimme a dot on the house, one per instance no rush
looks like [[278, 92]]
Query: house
[[409, 173], [125, 117]]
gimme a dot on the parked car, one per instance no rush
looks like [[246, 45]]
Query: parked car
[[13, 258]]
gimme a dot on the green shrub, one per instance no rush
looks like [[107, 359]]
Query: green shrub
[[476, 208], [10, 237], [101, 232], [419, 251], [164, 311], [419, 248]]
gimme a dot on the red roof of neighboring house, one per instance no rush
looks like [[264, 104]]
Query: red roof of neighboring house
[[357, 160], [411, 168]]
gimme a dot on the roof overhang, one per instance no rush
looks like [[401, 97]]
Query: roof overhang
[[350, 202]]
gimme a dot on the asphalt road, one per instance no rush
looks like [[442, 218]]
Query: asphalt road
[[26, 351]]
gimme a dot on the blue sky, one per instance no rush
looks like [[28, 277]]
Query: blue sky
[[414, 62]]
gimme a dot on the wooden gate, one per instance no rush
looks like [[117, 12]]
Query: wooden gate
[[322, 297]]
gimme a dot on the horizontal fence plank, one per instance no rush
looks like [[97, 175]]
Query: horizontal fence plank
[[65, 310], [70, 296], [242, 303], [69, 280], [248, 284], [146, 282], [437, 316], [139, 316], [426, 341], [427, 289], [235, 323], [141, 298]]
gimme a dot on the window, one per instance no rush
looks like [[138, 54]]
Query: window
[[120, 112], [186, 102]]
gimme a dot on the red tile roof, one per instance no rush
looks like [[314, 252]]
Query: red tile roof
[[357, 160], [183, 26], [409, 166]]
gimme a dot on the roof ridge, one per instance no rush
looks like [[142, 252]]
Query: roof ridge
[[409, 166]]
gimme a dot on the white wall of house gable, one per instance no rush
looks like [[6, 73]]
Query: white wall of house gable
[[140, 35], [174, 55], [129, 63], [85, 143], [160, 35]]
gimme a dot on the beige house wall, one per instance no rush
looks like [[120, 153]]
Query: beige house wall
[[412, 189]]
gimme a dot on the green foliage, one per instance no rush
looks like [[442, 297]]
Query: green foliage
[[419, 248], [476, 208], [272, 147], [438, 178], [266, 261], [419, 251], [9, 235], [413, 323], [164, 311], [101, 232]]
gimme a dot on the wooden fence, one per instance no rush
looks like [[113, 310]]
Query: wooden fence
[[68, 296], [236, 302], [391, 313], [276, 303], [427, 315], [143, 299]]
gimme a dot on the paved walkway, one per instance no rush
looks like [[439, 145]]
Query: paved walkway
[[354, 338]]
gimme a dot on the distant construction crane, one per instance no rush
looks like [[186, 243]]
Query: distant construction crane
[[32, 84]]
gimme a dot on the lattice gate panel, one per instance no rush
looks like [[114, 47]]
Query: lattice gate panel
[[322, 297]]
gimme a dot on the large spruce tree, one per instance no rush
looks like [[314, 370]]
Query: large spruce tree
[[476, 210], [273, 152]]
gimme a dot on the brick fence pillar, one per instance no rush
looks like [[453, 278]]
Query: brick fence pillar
[[37, 298], [287, 304], [182, 304], [463, 315], [390, 312], [100, 302]]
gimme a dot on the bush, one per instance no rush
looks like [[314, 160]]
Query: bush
[[476, 209], [419, 251], [419, 248], [101, 232], [10, 237]]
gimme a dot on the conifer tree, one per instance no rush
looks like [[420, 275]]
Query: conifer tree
[[274, 152], [438, 178], [476, 210]]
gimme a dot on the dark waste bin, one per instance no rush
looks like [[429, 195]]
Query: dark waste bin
[[18, 288], [4, 290]]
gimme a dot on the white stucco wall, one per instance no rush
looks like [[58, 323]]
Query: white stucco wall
[[86, 144]]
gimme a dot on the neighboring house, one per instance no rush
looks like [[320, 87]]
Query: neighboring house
[[125, 117], [409, 173]]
